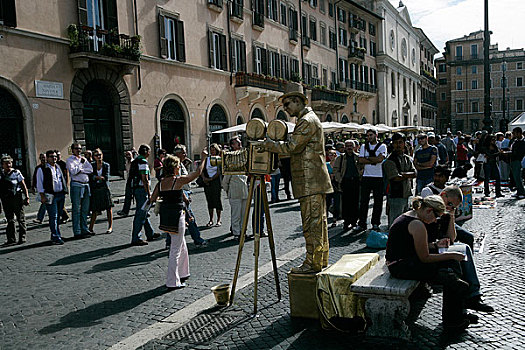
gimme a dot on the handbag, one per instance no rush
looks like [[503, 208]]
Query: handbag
[[158, 204], [200, 181], [481, 158]]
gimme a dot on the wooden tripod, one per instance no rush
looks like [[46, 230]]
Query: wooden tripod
[[264, 198]]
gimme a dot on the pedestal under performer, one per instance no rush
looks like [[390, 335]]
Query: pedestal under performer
[[310, 179]]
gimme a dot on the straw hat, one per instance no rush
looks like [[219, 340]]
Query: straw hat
[[294, 89]]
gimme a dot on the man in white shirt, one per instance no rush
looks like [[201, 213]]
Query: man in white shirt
[[79, 169], [52, 187], [371, 155]]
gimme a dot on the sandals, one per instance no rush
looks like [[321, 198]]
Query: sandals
[[218, 224], [209, 224]]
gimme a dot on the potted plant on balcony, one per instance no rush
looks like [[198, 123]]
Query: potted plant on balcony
[[296, 77]]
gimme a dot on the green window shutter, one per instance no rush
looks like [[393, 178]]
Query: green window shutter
[[243, 56], [82, 12], [110, 12], [277, 65], [264, 61], [162, 38], [181, 49], [224, 54], [210, 48]]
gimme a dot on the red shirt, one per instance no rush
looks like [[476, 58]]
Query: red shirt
[[462, 152]]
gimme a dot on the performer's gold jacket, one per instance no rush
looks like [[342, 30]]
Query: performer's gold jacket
[[307, 159]]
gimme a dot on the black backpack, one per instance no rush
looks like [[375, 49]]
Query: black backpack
[[134, 174]]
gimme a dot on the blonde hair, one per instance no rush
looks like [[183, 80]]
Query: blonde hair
[[434, 201], [453, 191], [170, 163]]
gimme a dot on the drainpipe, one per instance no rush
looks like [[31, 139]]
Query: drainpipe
[[139, 83], [230, 50], [336, 42], [301, 33]]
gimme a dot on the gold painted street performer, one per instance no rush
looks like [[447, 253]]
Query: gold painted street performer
[[310, 179]]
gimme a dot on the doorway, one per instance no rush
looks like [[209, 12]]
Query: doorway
[[172, 125], [12, 139], [100, 124]]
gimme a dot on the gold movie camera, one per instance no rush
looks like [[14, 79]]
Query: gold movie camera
[[250, 160]]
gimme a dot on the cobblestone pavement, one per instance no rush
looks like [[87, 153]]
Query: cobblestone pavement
[[501, 270], [92, 293]]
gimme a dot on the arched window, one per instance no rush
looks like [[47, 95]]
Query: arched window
[[282, 116], [344, 119], [257, 113], [172, 126], [240, 120], [328, 118], [393, 83], [218, 121]]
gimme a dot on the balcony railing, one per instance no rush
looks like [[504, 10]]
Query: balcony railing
[[356, 52], [357, 85], [474, 56], [319, 94], [258, 19], [430, 101], [459, 57], [428, 75], [103, 42], [293, 35], [305, 41], [259, 81]]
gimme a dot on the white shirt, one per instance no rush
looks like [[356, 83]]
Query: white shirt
[[15, 177], [56, 175], [211, 170], [373, 170], [77, 170]]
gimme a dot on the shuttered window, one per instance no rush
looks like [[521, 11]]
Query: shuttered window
[[274, 64], [238, 56], [171, 33], [8, 13], [260, 60], [217, 50]]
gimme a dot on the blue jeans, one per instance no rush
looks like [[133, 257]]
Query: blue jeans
[[515, 167], [275, 187], [41, 212], [422, 183], [141, 217], [80, 207], [127, 198], [464, 236], [56, 206], [470, 275]]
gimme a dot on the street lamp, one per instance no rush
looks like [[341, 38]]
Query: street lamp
[[487, 120]]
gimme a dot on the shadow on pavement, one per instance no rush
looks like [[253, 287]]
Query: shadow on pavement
[[88, 256], [25, 246], [215, 243], [93, 314], [129, 261]]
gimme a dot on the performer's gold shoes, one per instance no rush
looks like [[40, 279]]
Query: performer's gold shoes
[[304, 269]]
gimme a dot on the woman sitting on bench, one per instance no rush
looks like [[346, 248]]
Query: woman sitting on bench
[[408, 257]]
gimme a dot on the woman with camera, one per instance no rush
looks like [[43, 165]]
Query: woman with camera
[[408, 257], [172, 216]]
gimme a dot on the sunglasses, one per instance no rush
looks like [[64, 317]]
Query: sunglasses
[[52, 157], [78, 148], [97, 155]]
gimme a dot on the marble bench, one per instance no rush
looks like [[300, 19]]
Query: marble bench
[[387, 305]]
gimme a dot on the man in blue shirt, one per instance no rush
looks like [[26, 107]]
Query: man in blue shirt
[[425, 159]]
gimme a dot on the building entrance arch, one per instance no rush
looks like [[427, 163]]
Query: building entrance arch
[[172, 125], [12, 139], [218, 120]]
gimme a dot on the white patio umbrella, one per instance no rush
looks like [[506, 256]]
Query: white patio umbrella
[[242, 128]]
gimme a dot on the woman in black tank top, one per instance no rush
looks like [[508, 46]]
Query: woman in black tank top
[[408, 257], [172, 220]]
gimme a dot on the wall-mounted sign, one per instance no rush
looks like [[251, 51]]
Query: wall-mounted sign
[[49, 89]]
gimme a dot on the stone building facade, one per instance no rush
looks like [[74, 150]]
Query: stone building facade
[[114, 74], [460, 89]]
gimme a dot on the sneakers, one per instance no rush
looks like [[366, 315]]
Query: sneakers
[[57, 241], [37, 221], [204, 243], [477, 304]]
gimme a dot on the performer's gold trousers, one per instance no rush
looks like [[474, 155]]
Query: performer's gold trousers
[[315, 230]]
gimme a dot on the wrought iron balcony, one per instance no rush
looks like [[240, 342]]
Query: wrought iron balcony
[[356, 54], [357, 85], [259, 81], [428, 75], [430, 101], [319, 94]]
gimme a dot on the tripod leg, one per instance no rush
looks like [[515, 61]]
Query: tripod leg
[[242, 238], [257, 245], [272, 244]]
